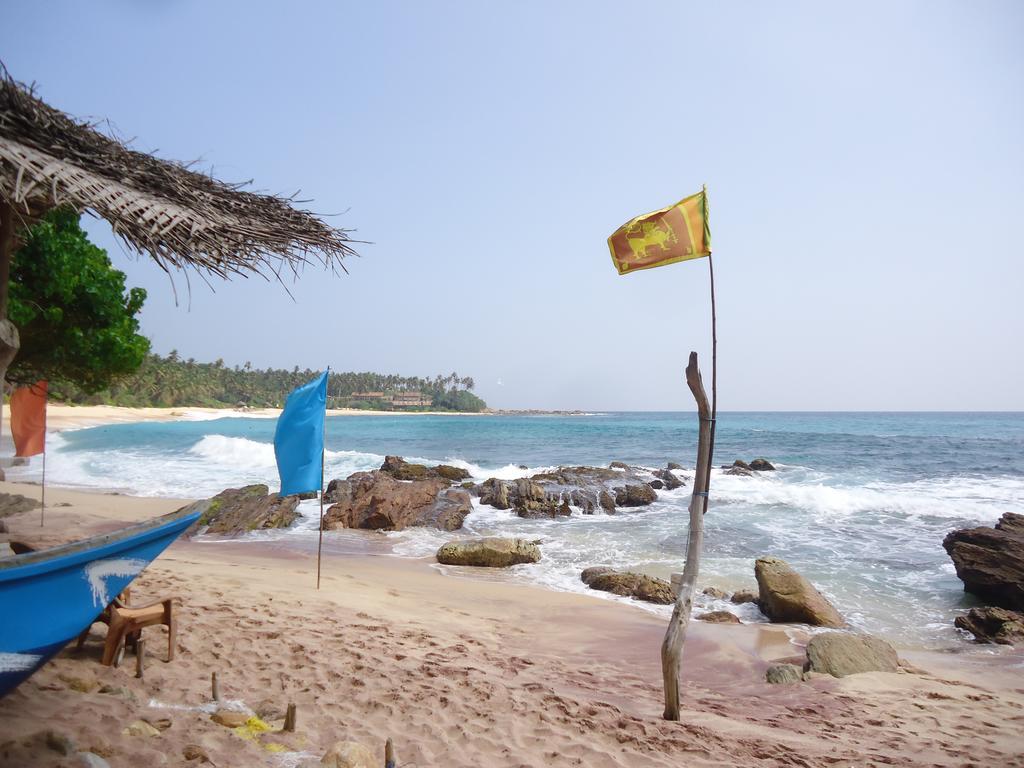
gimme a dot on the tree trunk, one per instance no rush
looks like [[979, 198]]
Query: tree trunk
[[675, 635]]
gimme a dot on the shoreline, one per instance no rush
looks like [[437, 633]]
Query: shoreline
[[469, 672]]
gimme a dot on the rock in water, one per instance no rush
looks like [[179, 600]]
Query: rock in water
[[785, 595], [715, 592], [719, 617], [349, 754], [741, 596], [377, 501], [762, 465], [783, 673], [488, 552], [990, 561], [239, 510], [993, 625], [840, 654], [635, 496], [635, 585], [587, 575]]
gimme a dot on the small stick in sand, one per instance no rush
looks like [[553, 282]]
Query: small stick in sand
[[140, 657], [289, 719], [389, 754], [214, 686]]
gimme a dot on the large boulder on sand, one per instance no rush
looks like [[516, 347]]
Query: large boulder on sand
[[349, 754], [239, 510], [990, 561], [993, 625], [636, 585], [841, 653], [784, 595], [488, 552], [377, 501]]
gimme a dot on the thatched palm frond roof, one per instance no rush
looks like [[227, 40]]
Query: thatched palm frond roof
[[179, 217]]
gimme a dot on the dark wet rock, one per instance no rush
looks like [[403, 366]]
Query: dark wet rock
[[618, 465], [656, 484], [990, 561], [488, 552], [719, 617], [454, 474], [585, 501], [635, 496], [240, 510], [786, 596], [739, 472], [673, 465], [741, 596], [738, 464], [783, 674], [669, 478], [607, 501], [305, 496], [587, 575], [15, 503], [762, 465], [635, 585], [842, 653], [379, 501], [993, 625]]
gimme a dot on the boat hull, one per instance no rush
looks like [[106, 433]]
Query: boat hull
[[47, 598]]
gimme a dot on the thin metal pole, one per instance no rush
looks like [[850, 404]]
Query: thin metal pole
[[323, 452], [714, 381]]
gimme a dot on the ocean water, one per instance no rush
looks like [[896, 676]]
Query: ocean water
[[860, 502]]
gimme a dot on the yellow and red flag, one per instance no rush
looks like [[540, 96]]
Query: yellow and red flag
[[28, 419], [677, 233]]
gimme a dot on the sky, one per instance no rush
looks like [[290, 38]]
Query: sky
[[864, 164]]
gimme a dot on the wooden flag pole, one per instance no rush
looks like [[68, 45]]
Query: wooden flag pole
[[714, 383], [42, 495], [323, 452]]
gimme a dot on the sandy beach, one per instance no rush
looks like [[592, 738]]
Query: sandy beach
[[60, 417], [463, 672]]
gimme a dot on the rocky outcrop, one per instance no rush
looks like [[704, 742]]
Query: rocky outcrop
[[840, 654], [15, 503], [786, 596], [762, 465], [400, 469], [239, 510], [669, 478], [715, 592], [636, 585], [990, 561], [488, 552], [379, 501], [554, 493], [993, 625]]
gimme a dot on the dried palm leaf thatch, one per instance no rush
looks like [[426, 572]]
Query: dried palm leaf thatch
[[179, 217]]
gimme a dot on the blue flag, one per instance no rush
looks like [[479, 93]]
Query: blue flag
[[299, 438]]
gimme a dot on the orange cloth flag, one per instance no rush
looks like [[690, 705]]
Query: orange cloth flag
[[677, 233], [28, 419]]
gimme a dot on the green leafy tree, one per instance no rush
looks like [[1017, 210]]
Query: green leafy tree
[[77, 322]]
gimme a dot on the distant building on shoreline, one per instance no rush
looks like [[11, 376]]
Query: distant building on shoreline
[[396, 400]]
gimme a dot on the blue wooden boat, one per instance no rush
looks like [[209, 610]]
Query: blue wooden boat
[[48, 597]]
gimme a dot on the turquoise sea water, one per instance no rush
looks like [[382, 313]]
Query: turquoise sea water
[[860, 503]]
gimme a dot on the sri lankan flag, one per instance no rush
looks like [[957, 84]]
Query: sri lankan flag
[[677, 233]]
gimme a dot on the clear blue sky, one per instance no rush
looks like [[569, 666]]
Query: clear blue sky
[[865, 165]]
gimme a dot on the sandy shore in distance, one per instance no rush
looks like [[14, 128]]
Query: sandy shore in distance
[[60, 416], [468, 673]]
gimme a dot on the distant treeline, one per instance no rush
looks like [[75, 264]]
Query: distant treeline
[[173, 382]]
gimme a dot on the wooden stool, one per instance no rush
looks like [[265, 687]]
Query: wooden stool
[[125, 624]]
